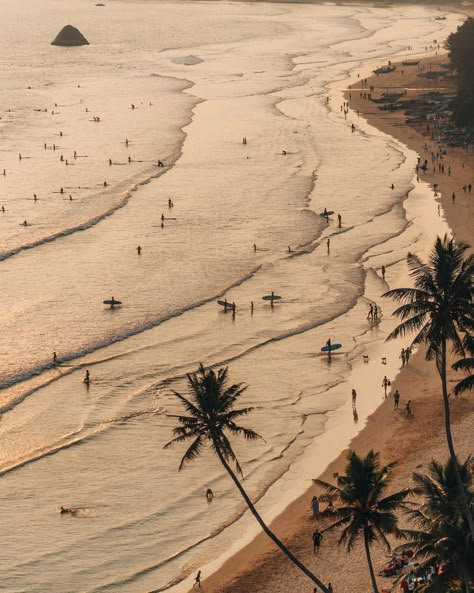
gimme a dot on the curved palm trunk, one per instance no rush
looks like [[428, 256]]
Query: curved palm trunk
[[270, 534], [449, 438], [369, 562]]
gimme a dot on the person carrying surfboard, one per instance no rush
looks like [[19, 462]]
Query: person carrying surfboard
[[328, 344]]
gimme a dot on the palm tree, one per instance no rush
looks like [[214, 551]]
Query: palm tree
[[443, 536], [363, 510], [466, 364], [439, 309], [211, 414]]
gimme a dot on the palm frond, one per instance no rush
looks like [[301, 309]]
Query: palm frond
[[193, 451]]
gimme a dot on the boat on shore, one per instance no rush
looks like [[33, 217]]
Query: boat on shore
[[411, 62], [384, 69]]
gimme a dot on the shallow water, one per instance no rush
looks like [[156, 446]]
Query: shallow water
[[201, 76]]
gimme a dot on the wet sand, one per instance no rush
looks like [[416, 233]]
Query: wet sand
[[412, 442]]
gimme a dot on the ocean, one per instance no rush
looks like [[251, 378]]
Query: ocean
[[184, 83]]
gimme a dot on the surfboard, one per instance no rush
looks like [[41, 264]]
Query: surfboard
[[331, 348], [225, 304], [327, 213], [110, 302], [271, 297]]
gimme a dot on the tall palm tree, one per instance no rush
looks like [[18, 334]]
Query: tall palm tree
[[440, 309], [211, 414], [442, 536], [363, 510]]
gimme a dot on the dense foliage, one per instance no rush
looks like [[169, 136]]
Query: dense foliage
[[461, 53], [441, 536]]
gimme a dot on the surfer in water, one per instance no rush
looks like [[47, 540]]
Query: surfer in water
[[87, 378], [139, 250], [209, 494], [65, 511]]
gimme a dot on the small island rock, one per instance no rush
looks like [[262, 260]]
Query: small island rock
[[70, 36]]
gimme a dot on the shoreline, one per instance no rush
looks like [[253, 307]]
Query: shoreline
[[259, 565]]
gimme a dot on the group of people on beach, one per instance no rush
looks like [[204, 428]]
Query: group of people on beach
[[374, 312]]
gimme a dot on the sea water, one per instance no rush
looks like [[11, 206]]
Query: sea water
[[183, 83]]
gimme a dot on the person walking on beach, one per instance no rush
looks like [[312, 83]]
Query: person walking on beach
[[407, 354], [403, 357], [370, 314], [197, 580], [328, 244], [339, 221], [315, 506], [383, 272], [317, 539], [354, 398], [408, 409], [55, 358], [87, 378], [385, 384], [139, 250], [453, 197], [396, 399]]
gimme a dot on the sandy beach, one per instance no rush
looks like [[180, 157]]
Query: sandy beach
[[412, 442]]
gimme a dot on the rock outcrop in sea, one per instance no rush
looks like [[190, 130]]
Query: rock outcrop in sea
[[70, 36]]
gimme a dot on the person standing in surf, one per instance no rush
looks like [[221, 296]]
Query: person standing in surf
[[328, 344]]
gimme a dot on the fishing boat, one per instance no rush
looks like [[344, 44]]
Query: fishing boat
[[384, 69]]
